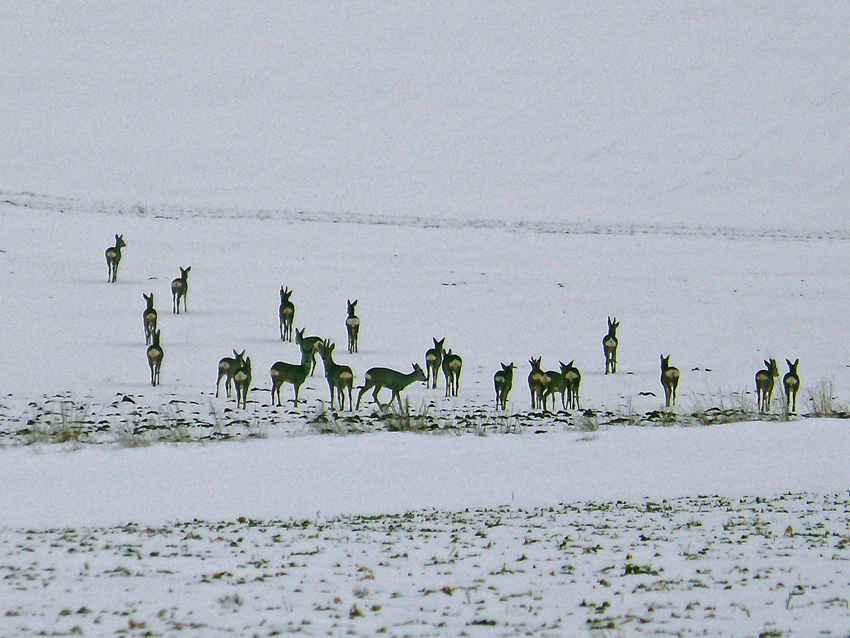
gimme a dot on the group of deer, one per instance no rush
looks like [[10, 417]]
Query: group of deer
[[437, 359], [790, 383], [179, 292]]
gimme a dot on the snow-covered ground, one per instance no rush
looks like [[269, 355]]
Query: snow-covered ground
[[504, 176]]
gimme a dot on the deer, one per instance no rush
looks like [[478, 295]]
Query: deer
[[227, 367], [310, 344], [537, 383], [573, 378], [669, 380], [764, 384], [282, 372], [155, 355], [434, 362], [503, 381], [609, 346], [286, 313], [396, 382], [452, 366], [149, 318], [242, 383], [352, 326], [340, 377], [180, 290], [791, 384], [113, 258], [555, 383]]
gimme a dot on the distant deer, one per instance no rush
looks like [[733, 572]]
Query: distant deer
[[434, 362], [764, 384], [573, 379], [149, 318], [310, 344], [452, 366], [609, 346], [180, 290], [380, 378], [555, 384], [286, 313], [155, 355], [113, 258], [340, 377], [282, 372], [352, 326], [503, 381], [242, 382], [227, 367], [537, 383], [669, 380], [791, 383]]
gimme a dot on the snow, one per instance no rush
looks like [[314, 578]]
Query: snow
[[505, 176]]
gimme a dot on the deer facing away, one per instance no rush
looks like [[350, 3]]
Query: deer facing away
[[340, 377], [286, 314], [609, 346], [434, 362], [573, 378], [452, 366], [380, 378], [227, 367], [791, 384], [352, 326], [537, 383], [113, 258], [155, 355], [669, 380], [149, 318], [764, 384], [242, 383], [180, 290], [503, 381]]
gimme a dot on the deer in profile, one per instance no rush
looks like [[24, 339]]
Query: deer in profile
[[573, 378], [149, 318], [537, 383], [352, 326], [452, 366], [242, 383], [227, 367], [155, 355], [555, 384], [434, 362], [286, 313], [180, 290], [609, 346], [396, 382], [764, 384], [282, 372], [308, 344], [113, 258], [503, 381], [791, 383], [669, 380], [340, 377]]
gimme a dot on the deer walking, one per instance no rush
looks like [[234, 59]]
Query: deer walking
[[396, 382], [669, 380], [149, 318], [791, 383], [434, 362], [113, 258], [242, 383], [452, 366], [503, 381], [155, 355], [609, 346], [286, 313], [352, 326], [573, 378], [227, 367], [282, 372], [764, 384], [340, 377], [180, 290], [309, 344], [537, 383]]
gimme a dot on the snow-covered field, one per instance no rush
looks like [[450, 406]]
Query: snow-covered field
[[503, 177]]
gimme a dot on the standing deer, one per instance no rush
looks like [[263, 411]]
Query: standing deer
[[503, 380], [380, 378], [308, 344], [609, 346], [555, 384], [340, 377], [352, 326], [113, 258], [764, 384], [282, 372], [434, 362], [149, 318], [227, 367], [452, 366], [286, 313], [791, 383], [573, 379], [537, 383], [155, 356], [242, 383], [669, 380], [180, 290]]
